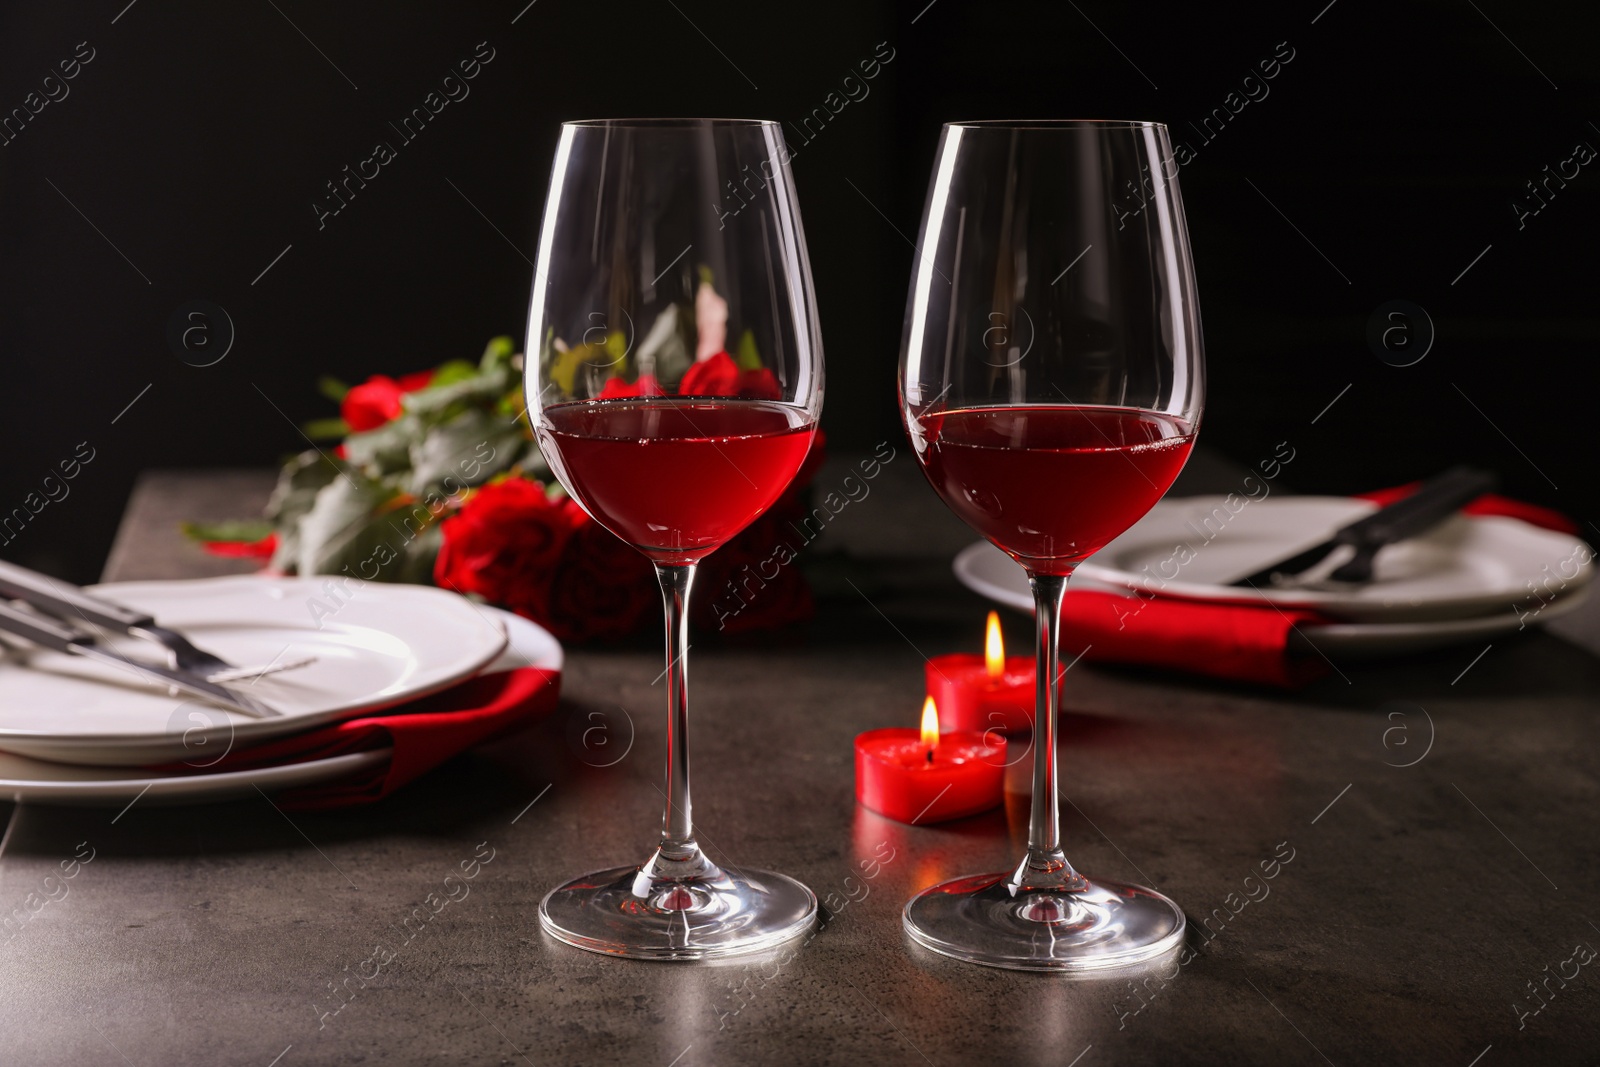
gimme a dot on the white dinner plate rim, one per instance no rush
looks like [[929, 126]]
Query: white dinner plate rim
[[1499, 622], [529, 645], [1338, 637], [1327, 600], [59, 747], [185, 786]]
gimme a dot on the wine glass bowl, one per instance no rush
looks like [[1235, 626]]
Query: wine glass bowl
[[1018, 474], [674, 382], [675, 478], [1051, 382]]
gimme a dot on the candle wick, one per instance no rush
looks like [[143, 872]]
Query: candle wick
[[930, 755]]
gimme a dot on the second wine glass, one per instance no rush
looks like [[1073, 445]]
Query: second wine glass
[[1051, 386], [674, 381]]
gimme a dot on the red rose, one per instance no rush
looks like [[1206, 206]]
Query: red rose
[[377, 400], [645, 386], [784, 600], [504, 544], [754, 582], [716, 375], [603, 588], [760, 383]]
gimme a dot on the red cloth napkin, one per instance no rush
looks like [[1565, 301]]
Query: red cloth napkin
[[1242, 642], [1239, 642], [423, 734]]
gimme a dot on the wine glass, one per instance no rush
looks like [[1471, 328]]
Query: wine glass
[[674, 382], [1051, 381]]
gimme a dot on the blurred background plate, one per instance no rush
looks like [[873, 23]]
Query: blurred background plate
[[1382, 640], [1463, 567], [991, 573]]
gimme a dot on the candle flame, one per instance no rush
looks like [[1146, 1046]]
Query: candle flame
[[994, 649], [930, 725]]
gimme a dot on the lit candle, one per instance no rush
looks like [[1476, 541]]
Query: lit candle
[[925, 776], [988, 692]]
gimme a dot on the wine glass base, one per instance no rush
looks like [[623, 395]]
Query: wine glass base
[[731, 913], [1104, 925]]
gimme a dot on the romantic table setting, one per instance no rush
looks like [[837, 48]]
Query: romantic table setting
[[1043, 733], [211, 933]]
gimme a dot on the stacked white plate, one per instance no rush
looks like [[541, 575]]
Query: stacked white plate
[[1467, 579], [76, 731]]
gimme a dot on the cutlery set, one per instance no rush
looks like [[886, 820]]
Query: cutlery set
[[1434, 501], [60, 616]]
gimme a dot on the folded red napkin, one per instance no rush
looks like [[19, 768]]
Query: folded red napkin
[[423, 734], [1237, 641]]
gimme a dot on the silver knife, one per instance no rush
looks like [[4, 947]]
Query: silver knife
[[1435, 500], [50, 634]]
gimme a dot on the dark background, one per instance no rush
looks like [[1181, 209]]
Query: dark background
[[197, 138]]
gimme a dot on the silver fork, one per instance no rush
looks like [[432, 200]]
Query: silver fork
[[69, 603], [186, 657]]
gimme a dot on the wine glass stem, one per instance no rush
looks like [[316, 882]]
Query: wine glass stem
[[1046, 865], [677, 827]]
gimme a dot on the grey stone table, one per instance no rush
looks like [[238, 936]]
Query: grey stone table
[[1420, 914]]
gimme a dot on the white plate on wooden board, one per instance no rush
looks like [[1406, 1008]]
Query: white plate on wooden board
[[989, 572], [375, 645]]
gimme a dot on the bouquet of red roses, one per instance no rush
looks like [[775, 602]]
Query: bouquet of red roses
[[436, 477]]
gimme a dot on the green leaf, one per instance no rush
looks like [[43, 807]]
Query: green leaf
[[468, 450], [386, 449], [447, 401], [749, 356], [416, 560], [457, 370], [497, 354], [616, 345], [668, 347], [344, 527], [237, 530], [298, 483], [332, 388], [326, 429]]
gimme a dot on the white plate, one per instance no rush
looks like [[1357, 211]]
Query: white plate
[[989, 572], [375, 645], [44, 782], [527, 645], [1381, 640], [1465, 566]]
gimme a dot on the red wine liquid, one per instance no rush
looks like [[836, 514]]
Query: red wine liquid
[[1051, 484], [677, 478]]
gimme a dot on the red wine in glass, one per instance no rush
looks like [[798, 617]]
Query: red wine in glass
[[676, 479], [1052, 380], [1051, 484], [674, 379]]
